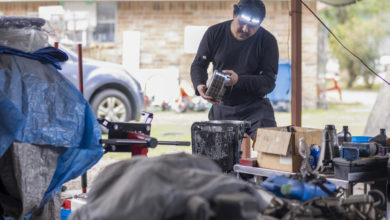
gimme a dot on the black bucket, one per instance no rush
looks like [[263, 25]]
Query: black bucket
[[219, 141]]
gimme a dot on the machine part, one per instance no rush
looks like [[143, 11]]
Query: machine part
[[121, 129], [304, 151], [132, 137], [383, 151], [148, 117], [235, 206], [198, 208], [353, 207], [269, 201], [349, 153], [216, 86], [360, 170], [326, 155], [365, 149]]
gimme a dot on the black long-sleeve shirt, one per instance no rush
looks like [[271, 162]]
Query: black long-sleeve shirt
[[255, 60]]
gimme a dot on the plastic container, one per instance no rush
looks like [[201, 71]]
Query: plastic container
[[293, 189], [360, 170], [65, 213], [344, 135], [381, 138], [219, 140], [314, 155], [333, 141], [360, 139]]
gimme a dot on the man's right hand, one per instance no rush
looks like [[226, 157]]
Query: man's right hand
[[202, 91]]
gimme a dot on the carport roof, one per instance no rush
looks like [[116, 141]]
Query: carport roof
[[339, 2]]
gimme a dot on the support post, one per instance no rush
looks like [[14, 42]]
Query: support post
[[296, 64]]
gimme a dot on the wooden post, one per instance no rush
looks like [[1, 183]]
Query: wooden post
[[84, 182], [296, 64]]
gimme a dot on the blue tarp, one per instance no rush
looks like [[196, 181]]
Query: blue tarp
[[39, 106], [280, 97], [50, 55], [282, 91]]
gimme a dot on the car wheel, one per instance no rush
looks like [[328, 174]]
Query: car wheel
[[112, 105]]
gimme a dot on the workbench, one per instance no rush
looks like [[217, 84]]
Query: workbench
[[345, 184], [378, 183]]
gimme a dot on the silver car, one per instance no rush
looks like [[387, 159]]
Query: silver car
[[112, 92]]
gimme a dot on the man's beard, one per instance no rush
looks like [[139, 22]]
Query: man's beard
[[243, 34]]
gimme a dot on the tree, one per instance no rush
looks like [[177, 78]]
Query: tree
[[361, 27]]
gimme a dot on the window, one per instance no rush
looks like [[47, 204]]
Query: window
[[106, 22]]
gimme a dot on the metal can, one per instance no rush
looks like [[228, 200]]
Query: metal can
[[314, 155]]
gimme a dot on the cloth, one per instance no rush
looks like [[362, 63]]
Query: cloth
[[255, 60], [26, 171], [21, 22], [259, 112], [40, 106], [156, 188], [50, 55]]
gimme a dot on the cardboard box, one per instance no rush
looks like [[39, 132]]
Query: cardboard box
[[278, 147]]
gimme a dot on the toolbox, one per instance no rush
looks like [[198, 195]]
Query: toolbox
[[219, 140], [361, 170]]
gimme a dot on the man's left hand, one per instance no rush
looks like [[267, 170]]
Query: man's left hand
[[233, 77]]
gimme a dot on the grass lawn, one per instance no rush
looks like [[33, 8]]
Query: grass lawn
[[172, 126]]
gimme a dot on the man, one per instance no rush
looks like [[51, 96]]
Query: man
[[248, 53]]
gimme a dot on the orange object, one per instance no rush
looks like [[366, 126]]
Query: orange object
[[334, 87], [66, 204], [252, 162]]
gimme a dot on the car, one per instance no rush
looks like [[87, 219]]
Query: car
[[113, 93]]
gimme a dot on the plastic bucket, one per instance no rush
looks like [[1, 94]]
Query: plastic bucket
[[65, 213], [360, 139]]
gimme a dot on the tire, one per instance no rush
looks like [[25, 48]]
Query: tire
[[112, 105]]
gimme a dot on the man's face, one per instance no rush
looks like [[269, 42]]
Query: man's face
[[243, 27]]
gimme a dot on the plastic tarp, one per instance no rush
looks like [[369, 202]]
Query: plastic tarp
[[19, 195], [282, 91], [39, 106], [157, 188]]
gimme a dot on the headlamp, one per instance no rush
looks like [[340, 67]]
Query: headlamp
[[249, 20]]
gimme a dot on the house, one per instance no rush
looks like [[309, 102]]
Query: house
[[164, 34]]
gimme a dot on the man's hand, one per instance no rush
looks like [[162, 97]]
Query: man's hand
[[233, 77], [202, 90]]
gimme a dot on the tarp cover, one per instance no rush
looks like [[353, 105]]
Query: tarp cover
[[39, 106], [156, 188], [19, 166]]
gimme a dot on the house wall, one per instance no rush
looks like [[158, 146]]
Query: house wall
[[22, 8], [162, 33], [162, 24]]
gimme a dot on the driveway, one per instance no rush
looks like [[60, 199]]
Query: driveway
[[366, 98]]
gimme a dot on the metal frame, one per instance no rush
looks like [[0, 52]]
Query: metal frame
[[263, 172]]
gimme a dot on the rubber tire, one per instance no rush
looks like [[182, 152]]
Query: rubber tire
[[98, 98]]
